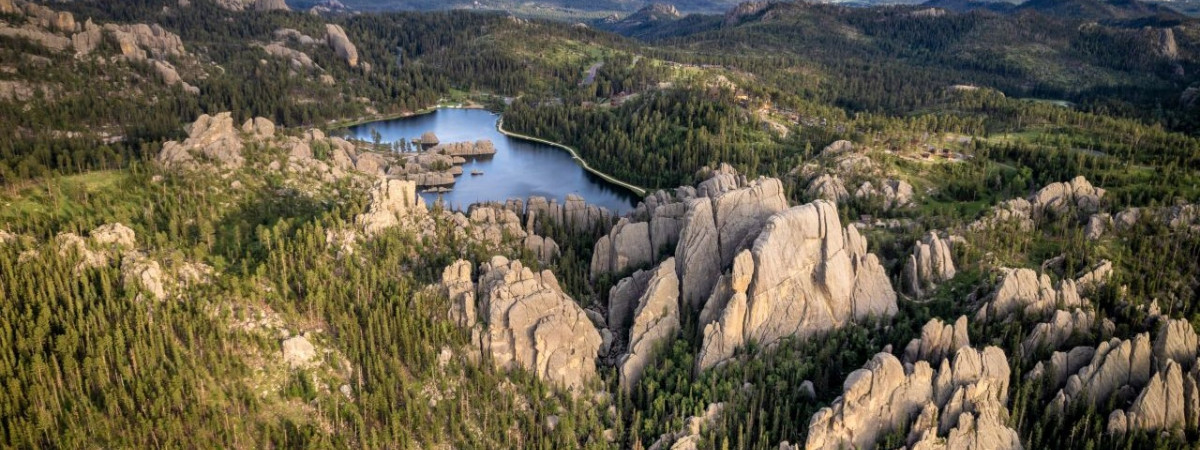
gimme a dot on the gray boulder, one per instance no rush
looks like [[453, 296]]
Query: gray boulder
[[335, 36]]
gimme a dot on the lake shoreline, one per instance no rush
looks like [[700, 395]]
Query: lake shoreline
[[641, 192], [350, 123], [523, 166]]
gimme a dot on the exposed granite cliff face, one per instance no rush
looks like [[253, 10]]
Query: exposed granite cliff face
[[961, 404], [525, 321], [655, 323], [391, 202], [696, 254], [460, 289], [806, 274], [627, 246], [931, 263], [1024, 291], [753, 269], [938, 341], [1153, 384]]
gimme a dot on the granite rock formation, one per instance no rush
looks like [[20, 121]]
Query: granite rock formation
[[805, 274], [930, 263]]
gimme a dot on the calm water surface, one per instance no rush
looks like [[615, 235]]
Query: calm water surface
[[519, 169]]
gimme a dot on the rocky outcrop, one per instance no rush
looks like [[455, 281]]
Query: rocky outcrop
[[1164, 40], [581, 216], [1176, 341], [427, 169], [298, 351], [171, 77], [1096, 277], [144, 273], [1167, 398], [458, 287], [828, 187], [626, 247], [36, 35], [335, 36], [651, 231], [543, 248], [102, 245], [284, 34], [890, 194], [666, 222], [689, 437], [1016, 214], [1117, 366], [1077, 196], [492, 223], [298, 59], [1165, 404], [697, 254], [140, 41], [806, 275], [655, 322], [391, 202], [270, 5], [1061, 327], [741, 213], [1098, 225], [1062, 365], [532, 324], [211, 139], [624, 298], [259, 128], [938, 341], [931, 263], [719, 181], [744, 11], [113, 235], [1023, 290], [959, 405], [482, 147], [1056, 199]]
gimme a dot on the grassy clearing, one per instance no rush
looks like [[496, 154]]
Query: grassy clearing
[[56, 196]]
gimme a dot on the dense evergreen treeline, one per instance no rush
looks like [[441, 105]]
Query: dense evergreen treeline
[[906, 56], [658, 140], [89, 361]]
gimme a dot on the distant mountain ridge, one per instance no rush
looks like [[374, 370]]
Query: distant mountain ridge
[[1093, 10], [657, 11], [685, 6]]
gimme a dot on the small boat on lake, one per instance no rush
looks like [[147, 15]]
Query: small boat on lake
[[476, 172]]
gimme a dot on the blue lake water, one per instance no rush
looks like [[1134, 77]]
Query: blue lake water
[[519, 169]]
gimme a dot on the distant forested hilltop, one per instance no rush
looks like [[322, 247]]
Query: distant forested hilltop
[[708, 6]]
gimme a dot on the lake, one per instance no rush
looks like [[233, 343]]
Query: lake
[[519, 169]]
